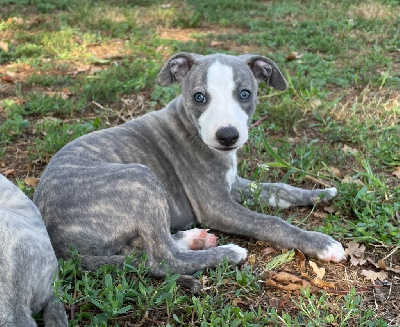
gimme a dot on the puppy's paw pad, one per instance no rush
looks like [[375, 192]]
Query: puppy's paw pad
[[198, 239], [334, 252], [241, 253]]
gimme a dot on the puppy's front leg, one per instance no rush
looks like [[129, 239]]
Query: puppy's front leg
[[280, 194], [226, 215]]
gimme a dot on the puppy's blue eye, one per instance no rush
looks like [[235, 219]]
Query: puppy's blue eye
[[244, 94], [199, 97]]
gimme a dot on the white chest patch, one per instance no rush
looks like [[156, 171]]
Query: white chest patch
[[232, 172], [223, 110]]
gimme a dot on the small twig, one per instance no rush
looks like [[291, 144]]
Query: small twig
[[391, 253], [316, 180], [357, 290], [311, 212], [72, 309], [259, 121]]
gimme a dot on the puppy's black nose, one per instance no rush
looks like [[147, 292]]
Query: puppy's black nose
[[227, 136]]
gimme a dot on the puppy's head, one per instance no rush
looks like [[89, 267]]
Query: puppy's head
[[220, 93]]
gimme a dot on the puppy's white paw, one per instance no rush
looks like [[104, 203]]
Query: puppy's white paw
[[334, 252], [241, 253], [332, 192], [323, 195]]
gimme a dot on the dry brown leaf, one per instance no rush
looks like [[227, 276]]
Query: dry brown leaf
[[335, 171], [320, 272], [302, 259], [320, 215], [396, 172], [289, 282], [66, 93], [284, 276], [237, 301], [283, 301], [315, 102], [382, 265], [350, 150], [323, 284], [330, 209], [268, 250], [293, 55], [4, 46], [349, 179], [7, 79], [288, 287], [356, 253], [31, 181], [373, 275], [9, 172]]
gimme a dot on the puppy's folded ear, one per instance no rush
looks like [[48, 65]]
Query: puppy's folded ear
[[264, 69], [176, 68]]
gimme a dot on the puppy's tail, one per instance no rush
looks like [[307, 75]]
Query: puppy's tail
[[93, 262]]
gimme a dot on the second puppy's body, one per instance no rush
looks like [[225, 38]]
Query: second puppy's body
[[27, 263], [113, 189]]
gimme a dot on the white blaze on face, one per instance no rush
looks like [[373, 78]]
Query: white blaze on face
[[223, 110]]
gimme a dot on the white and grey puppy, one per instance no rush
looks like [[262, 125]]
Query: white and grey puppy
[[27, 263], [131, 185]]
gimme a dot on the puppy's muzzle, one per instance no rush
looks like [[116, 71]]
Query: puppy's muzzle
[[227, 136]]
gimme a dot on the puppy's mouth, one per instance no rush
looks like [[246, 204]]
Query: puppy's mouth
[[226, 148]]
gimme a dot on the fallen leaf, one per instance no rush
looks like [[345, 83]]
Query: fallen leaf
[[4, 46], [323, 284], [350, 150], [302, 258], [373, 275], [396, 173], [315, 102], [335, 171], [320, 272], [7, 79], [349, 179], [16, 20], [9, 172], [268, 251], [356, 253], [382, 265], [237, 301], [321, 215], [288, 287], [31, 181], [283, 301], [330, 209], [286, 281], [65, 93], [293, 55]]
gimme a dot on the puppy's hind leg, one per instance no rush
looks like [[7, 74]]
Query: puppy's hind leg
[[131, 203]]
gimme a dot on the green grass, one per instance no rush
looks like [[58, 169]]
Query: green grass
[[343, 92]]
